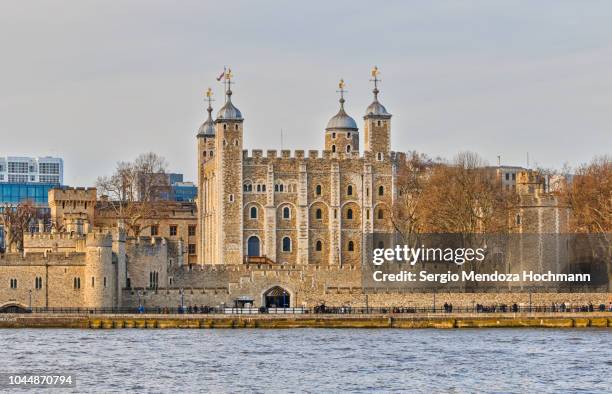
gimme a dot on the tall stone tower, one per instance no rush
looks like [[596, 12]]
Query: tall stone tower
[[341, 133], [206, 153], [377, 124], [228, 159]]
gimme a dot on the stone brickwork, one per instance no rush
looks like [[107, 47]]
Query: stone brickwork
[[86, 277], [292, 207]]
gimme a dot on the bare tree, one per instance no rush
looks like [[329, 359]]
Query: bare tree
[[16, 221], [412, 178], [590, 197], [134, 192], [463, 198]]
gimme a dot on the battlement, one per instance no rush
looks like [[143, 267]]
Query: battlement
[[73, 194], [273, 154], [32, 237], [101, 240], [43, 258], [142, 239]]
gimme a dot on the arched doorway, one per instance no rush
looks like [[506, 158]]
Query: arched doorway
[[277, 297], [14, 308], [253, 246]]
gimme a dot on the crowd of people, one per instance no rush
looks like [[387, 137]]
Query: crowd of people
[[447, 307]]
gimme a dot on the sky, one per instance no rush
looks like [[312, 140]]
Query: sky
[[96, 82]]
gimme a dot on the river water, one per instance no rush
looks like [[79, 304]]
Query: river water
[[317, 360]]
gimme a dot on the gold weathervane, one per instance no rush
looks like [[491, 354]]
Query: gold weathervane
[[375, 72], [209, 93], [341, 84]]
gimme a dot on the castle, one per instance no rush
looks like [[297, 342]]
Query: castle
[[295, 209], [276, 230]]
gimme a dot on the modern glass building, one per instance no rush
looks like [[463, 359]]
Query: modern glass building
[[14, 193], [179, 190], [184, 191], [29, 178], [14, 169]]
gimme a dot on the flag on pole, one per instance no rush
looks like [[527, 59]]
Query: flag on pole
[[222, 74]]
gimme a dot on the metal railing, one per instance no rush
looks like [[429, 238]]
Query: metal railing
[[322, 309]]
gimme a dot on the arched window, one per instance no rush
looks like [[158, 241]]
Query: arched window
[[319, 214], [258, 188], [380, 156], [286, 213], [286, 244], [319, 246], [281, 187], [318, 190], [348, 148], [349, 213], [381, 190], [212, 153], [253, 212], [348, 135], [333, 135], [518, 219], [351, 246], [276, 187], [334, 148], [349, 190], [381, 214]]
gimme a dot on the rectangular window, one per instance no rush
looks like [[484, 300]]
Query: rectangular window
[[173, 231], [514, 177], [507, 176], [192, 230], [105, 281], [154, 231], [13, 283], [192, 249], [18, 167]]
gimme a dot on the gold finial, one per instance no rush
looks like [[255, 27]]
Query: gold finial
[[228, 74], [341, 84], [209, 93], [375, 73]]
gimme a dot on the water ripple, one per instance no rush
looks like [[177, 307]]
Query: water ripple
[[317, 360]]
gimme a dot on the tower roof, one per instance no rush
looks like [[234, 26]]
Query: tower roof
[[208, 127], [376, 109], [341, 120], [228, 111]]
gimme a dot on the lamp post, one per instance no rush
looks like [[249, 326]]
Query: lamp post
[[434, 301], [30, 291], [182, 293], [139, 301], [529, 302]]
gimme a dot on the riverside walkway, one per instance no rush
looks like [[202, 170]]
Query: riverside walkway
[[417, 320]]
